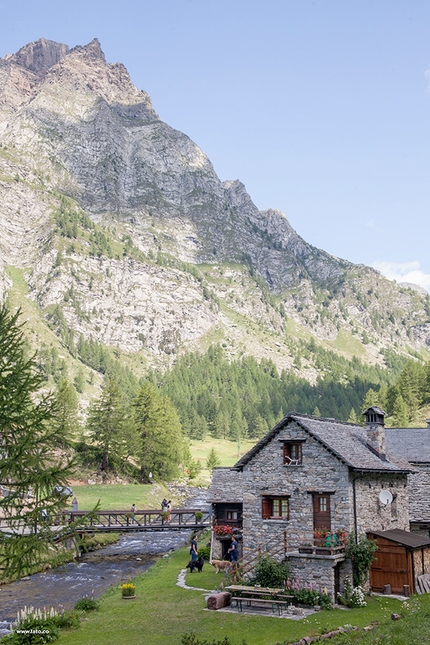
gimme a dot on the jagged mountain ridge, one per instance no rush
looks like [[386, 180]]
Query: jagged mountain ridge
[[73, 125], [119, 157]]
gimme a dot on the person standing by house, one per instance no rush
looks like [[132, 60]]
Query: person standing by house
[[234, 551], [194, 550]]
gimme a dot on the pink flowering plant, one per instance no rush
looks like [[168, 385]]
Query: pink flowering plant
[[307, 593], [223, 529]]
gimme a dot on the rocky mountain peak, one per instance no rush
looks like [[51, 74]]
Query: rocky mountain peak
[[93, 49], [39, 56]]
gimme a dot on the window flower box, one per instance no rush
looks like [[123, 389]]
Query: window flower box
[[223, 530]]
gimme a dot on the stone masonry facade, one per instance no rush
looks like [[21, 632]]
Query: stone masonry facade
[[266, 475]]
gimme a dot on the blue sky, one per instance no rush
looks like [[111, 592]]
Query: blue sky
[[321, 108]]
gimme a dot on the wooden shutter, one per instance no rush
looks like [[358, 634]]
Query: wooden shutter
[[266, 508]]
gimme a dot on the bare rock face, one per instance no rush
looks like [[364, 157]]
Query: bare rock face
[[85, 117], [74, 130], [39, 56]]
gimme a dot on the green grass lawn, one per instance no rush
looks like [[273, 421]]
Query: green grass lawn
[[119, 496], [227, 451], [162, 612]]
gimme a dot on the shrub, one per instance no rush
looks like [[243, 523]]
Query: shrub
[[33, 631], [308, 594], [270, 573], [87, 604], [354, 596], [66, 620], [205, 552], [361, 553], [191, 639], [35, 627]]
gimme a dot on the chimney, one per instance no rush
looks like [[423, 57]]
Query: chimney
[[375, 429]]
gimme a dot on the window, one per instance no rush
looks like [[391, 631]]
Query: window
[[322, 504], [292, 453], [231, 515], [276, 508]]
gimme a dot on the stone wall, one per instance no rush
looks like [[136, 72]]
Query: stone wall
[[419, 493], [372, 515], [226, 485], [266, 475], [320, 570]]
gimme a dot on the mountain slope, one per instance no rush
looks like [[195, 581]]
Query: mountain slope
[[122, 221]]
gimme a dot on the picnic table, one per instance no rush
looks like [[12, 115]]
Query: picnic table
[[275, 598]]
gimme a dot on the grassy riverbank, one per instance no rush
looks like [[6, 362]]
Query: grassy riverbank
[[119, 496], [162, 612]]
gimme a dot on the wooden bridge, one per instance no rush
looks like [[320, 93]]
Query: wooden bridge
[[147, 520]]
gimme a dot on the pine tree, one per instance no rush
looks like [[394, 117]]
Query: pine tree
[[410, 384], [213, 460], [352, 416], [79, 381], [30, 468], [163, 447], [222, 424], [107, 424], [400, 413], [370, 399], [66, 421]]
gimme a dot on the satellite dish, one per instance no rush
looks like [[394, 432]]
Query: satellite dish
[[385, 497]]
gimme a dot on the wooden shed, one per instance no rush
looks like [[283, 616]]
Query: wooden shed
[[401, 559]]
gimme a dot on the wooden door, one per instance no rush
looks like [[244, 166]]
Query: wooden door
[[322, 513], [391, 566]]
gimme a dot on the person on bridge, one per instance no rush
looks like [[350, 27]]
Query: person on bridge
[[194, 550], [133, 510]]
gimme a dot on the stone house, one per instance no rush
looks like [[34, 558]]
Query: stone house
[[309, 474], [414, 444]]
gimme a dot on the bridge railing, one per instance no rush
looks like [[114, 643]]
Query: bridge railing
[[142, 519]]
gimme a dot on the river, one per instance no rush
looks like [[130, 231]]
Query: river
[[94, 571]]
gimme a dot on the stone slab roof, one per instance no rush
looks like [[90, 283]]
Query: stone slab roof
[[347, 441], [413, 443], [413, 540], [226, 486]]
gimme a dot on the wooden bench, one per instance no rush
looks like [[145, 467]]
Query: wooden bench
[[249, 602]]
